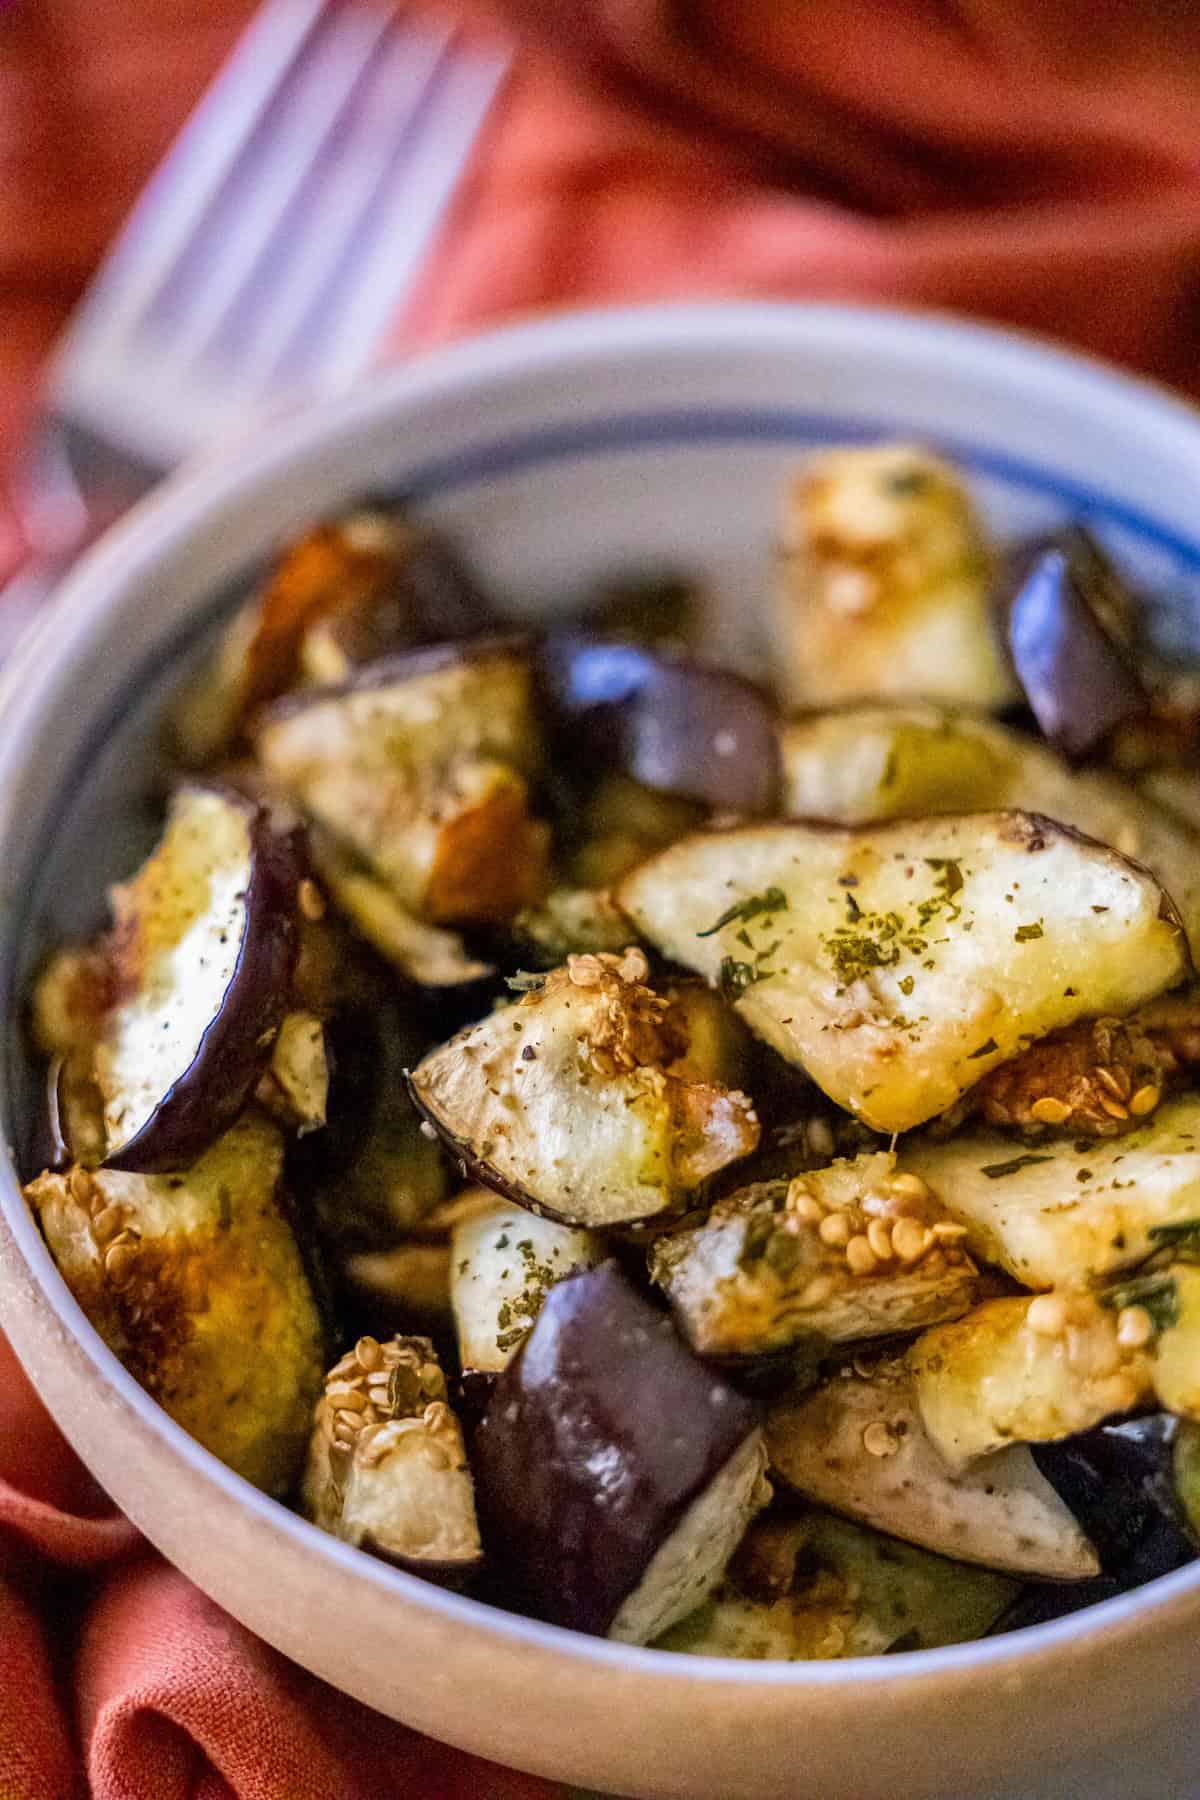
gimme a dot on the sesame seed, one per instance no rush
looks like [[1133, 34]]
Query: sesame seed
[[1116, 1081], [1047, 1315], [1113, 1108], [119, 1261], [834, 1230], [368, 1353], [948, 1231], [911, 1186], [1050, 1111], [860, 1257], [879, 1237], [818, 1291], [107, 1223], [880, 1440], [820, 1137], [80, 1184], [803, 1204], [1145, 1100], [1135, 1327], [910, 1240]]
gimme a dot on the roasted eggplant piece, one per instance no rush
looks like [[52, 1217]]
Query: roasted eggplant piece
[[571, 921], [675, 726], [387, 1469], [1026, 1370], [873, 763], [1070, 626], [857, 1446], [202, 952], [884, 581], [898, 964], [503, 1263], [1067, 1213], [562, 1102], [295, 1088], [373, 1174], [421, 764], [618, 823], [816, 1587], [846, 1253], [1098, 1078], [195, 1281], [426, 954], [616, 1474], [348, 563]]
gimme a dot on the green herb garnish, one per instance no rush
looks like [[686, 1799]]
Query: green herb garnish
[[1183, 1236], [994, 1171], [525, 981], [736, 977], [1155, 1294], [1025, 934], [984, 1049], [773, 900]]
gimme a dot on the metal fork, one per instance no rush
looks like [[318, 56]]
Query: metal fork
[[263, 262]]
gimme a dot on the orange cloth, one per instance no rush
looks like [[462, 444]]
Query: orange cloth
[[1028, 160]]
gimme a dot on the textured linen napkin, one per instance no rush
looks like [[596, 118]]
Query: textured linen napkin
[[1036, 161]]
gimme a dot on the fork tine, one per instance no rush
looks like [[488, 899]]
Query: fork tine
[[256, 202], [397, 232], [259, 336], [223, 123]]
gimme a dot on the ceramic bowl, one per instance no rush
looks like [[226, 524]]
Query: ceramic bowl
[[558, 451]]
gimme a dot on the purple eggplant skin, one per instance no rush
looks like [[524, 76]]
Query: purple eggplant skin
[[675, 725], [1069, 623], [236, 1044], [599, 1435]]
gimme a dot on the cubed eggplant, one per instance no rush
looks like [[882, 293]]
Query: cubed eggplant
[[616, 1473], [815, 1587], [563, 1103], [202, 953], [1025, 1370], [1068, 1212], [1070, 623], [843, 1254], [676, 726], [883, 588], [897, 964], [503, 1263], [196, 1282], [387, 1469], [857, 1445], [421, 764]]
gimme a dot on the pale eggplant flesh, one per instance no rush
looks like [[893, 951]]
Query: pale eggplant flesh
[[857, 1445], [616, 1473], [196, 1281], [898, 964], [202, 951], [387, 1466], [564, 1101]]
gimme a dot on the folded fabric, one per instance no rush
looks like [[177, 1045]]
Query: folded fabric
[[1031, 161]]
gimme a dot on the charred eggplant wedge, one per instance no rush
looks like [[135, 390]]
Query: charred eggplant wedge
[[675, 726], [898, 964], [867, 764], [422, 765], [1068, 1212], [1028, 1370], [616, 1473], [195, 1281], [857, 1446], [387, 1468], [814, 1587], [201, 954], [844, 1254], [563, 1102], [884, 584], [503, 1263]]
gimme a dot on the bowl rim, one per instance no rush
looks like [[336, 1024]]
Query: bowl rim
[[188, 499]]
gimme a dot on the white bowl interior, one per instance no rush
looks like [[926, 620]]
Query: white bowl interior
[[555, 454]]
